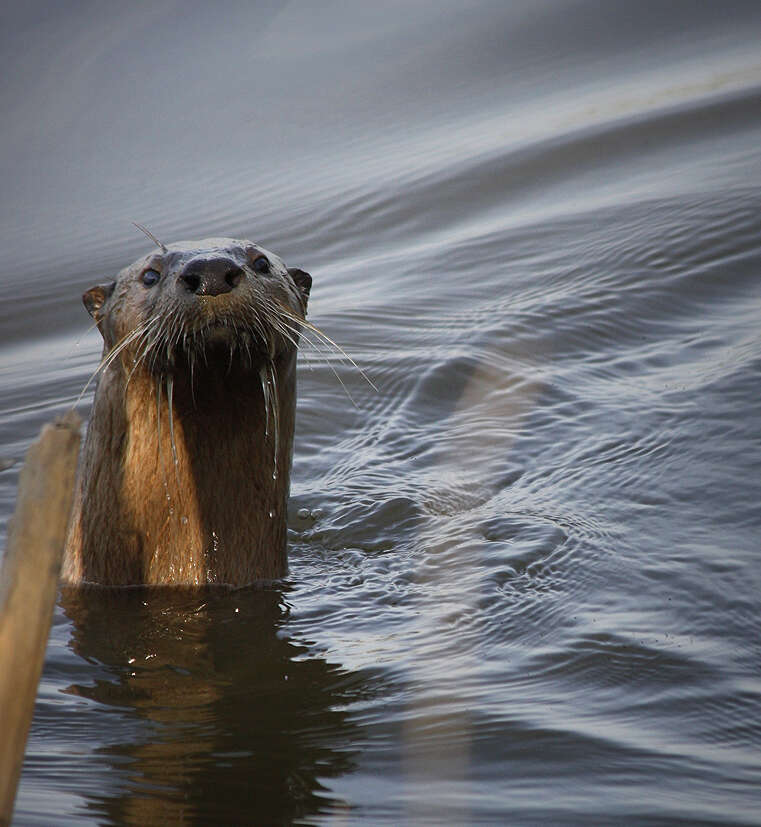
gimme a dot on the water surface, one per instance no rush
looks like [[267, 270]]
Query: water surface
[[524, 573]]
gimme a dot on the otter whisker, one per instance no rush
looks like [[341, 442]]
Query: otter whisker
[[317, 345], [169, 397], [150, 235], [271, 406], [178, 334], [147, 344], [342, 383], [275, 415], [266, 397], [192, 360], [291, 333], [231, 355], [305, 324], [287, 332], [122, 344], [159, 449], [155, 345], [139, 359], [114, 352], [158, 419], [90, 328], [258, 325], [135, 366]]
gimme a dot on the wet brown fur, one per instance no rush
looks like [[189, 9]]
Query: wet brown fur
[[190, 492]]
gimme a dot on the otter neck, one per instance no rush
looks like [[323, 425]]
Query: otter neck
[[202, 482]]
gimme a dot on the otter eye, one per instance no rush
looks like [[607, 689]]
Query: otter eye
[[261, 265], [150, 277]]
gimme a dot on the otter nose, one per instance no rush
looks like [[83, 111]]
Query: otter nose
[[211, 277]]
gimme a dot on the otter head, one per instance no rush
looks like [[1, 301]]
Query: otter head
[[188, 300]]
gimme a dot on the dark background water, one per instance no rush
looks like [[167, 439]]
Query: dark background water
[[526, 588]]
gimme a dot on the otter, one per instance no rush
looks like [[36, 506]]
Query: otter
[[184, 474]]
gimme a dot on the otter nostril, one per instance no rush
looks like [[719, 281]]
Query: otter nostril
[[211, 276], [233, 277], [192, 281]]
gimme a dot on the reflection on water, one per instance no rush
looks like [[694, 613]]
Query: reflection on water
[[227, 719]]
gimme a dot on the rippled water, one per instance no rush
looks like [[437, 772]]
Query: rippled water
[[524, 580]]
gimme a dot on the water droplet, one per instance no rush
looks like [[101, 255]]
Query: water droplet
[[184, 520], [272, 514], [316, 513], [303, 513], [274, 474]]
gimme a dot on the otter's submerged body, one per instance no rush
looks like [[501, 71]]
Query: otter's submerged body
[[184, 475]]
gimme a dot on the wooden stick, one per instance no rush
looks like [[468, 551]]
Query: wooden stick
[[28, 584]]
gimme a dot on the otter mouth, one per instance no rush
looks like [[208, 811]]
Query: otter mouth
[[217, 333], [219, 348], [216, 349]]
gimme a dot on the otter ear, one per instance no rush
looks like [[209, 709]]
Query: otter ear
[[303, 281], [96, 297]]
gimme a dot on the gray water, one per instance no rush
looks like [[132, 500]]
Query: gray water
[[524, 573]]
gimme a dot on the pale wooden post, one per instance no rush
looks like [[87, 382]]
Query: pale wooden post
[[28, 584]]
